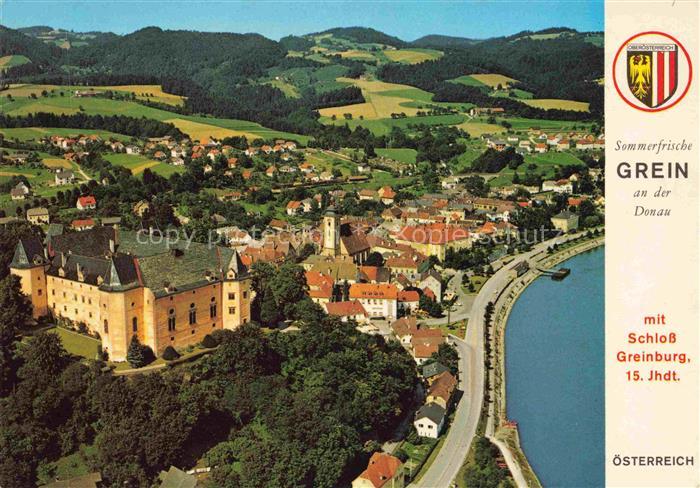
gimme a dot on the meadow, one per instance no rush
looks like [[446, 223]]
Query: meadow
[[493, 80], [544, 164], [412, 56], [382, 99], [552, 103], [202, 127], [12, 60], [153, 93], [383, 126], [403, 155], [137, 164], [35, 133]]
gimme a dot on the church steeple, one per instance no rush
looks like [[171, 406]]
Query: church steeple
[[331, 233]]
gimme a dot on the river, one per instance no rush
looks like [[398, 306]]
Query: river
[[555, 374]]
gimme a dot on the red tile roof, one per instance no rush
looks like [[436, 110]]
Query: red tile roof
[[381, 469], [408, 296], [432, 234], [88, 200], [376, 291], [345, 309]]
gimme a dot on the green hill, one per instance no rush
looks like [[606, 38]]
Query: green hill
[[364, 35]]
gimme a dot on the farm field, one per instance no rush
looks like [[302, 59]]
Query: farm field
[[493, 80], [382, 99], [287, 88], [412, 56], [142, 92], [477, 129], [103, 106], [324, 161], [468, 81], [521, 94], [137, 164], [520, 123], [146, 92], [383, 126], [552, 103], [35, 133], [13, 60], [323, 79], [404, 155], [356, 54], [545, 165]]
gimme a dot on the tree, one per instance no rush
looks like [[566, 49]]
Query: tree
[[447, 356], [289, 287], [374, 259], [429, 305], [15, 312], [269, 311], [138, 355]]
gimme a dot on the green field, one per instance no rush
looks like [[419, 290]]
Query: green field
[[13, 60], [412, 56], [521, 94], [404, 155], [545, 165], [78, 344], [204, 126], [137, 164], [383, 126], [325, 161], [468, 81], [520, 123], [557, 104], [36, 133]]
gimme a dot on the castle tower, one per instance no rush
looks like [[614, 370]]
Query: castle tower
[[331, 233], [29, 263], [237, 293]]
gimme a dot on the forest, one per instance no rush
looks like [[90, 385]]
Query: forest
[[286, 410]]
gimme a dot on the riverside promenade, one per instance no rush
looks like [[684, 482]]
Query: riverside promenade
[[499, 430]]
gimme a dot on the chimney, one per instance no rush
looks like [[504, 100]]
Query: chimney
[[64, 260]]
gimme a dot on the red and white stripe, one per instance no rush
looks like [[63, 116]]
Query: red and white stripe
[[664, 78]]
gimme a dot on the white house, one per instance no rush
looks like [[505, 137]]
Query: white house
[[379, 300], [429, 420]]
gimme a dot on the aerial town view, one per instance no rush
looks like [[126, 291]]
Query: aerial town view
[[240, 252]]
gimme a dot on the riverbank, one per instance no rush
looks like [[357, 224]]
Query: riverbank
[[499, 429]]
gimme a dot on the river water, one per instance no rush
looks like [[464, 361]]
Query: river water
[[555, 374]]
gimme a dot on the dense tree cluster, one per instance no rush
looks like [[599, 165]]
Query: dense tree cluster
[[563, 67], [121, 124], [484, 471], [284, 410], [493, 161]]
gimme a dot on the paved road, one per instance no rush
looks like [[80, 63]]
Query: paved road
[[471, 368]]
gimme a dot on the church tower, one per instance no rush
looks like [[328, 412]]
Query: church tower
[[331, 233]]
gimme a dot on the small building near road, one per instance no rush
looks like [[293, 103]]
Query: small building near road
[[429, 420], [518, 270], [565, 221], [38, 216], [383, 471], [86, 203], [64, 177]]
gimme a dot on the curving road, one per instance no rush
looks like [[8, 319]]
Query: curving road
[[451, 457]]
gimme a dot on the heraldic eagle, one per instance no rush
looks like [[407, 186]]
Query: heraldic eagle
[[640, 75]]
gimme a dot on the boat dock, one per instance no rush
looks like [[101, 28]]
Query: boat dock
[[557, 275]]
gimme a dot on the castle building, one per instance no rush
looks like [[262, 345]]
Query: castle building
[[125, 284]]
